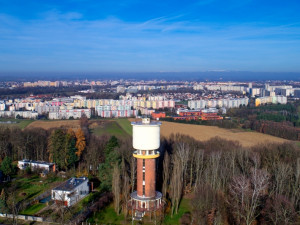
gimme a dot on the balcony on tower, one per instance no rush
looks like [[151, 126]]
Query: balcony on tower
[[146, 141]]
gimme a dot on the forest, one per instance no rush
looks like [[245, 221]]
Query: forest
[[277, 120], [227, 183]]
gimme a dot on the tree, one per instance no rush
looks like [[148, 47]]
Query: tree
[[139, 112], [7, 167], [80, 142], [95, 152], [106, 168], [5, 145], [208, 206], [3, 203], [166, 173], [84, 122], [279, 210], [57, 149], [116, 188], [246, 194], [13, 205], [70, 149], [176, 185], [61, 208]]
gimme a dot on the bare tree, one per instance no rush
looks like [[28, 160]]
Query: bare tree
[[166, 173], [295, 195], [182, 152], [176, 185], [246, 195], [132, 172], [279, 210], [14, 206], [116, 188], [282, 177], [125, 187], [199, 160], [61, 207], [208, 206]]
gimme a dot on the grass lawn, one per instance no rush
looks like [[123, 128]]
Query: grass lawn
[[85, 201], [30, 187], [33, 209], [125, 125], [111, 127], [184, 207], [20, 123], [106, 216]]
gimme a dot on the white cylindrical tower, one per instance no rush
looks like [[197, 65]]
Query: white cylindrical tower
[[146, 141]]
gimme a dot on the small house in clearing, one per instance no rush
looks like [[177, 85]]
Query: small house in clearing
[[71, 191]]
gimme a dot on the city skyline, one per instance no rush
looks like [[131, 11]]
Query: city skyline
[[169, 36]]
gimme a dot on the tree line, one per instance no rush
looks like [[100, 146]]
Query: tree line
[[232, 184], [277, 120], [227, 182]]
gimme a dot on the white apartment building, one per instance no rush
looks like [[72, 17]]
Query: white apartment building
[[23, 114], [271, 99], [69, 113], [213, 103]]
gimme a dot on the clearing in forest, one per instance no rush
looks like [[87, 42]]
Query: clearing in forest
[[110, 127]]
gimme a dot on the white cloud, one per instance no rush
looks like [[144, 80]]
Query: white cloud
[[165, 43]]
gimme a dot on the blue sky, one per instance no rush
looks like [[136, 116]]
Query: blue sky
[[150, 36]]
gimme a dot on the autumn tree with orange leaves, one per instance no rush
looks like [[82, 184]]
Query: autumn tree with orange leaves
[[80, 142]]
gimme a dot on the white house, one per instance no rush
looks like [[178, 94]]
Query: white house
[[35, 165], [71, 191]]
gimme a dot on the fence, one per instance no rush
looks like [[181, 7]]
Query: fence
[[23, 217]]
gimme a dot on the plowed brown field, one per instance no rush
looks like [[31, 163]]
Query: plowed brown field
[[199, 132], [203, 133]]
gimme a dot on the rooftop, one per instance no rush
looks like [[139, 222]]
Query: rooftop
[[70, 184], [146, 121]]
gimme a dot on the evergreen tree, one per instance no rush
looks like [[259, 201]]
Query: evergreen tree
[[58, 153], [7, 167], [112, 158], [72, 157]]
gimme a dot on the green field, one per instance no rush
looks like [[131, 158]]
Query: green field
[[109, 216], [31, 186], [184, 207], [33, 209], [106, 216], [111, 127], [20, 123], [125, 125]]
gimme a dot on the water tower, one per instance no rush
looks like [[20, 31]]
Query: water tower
[[146, 141]]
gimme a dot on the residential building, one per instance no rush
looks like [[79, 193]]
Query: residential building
[[71, 191], [36, 165]]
